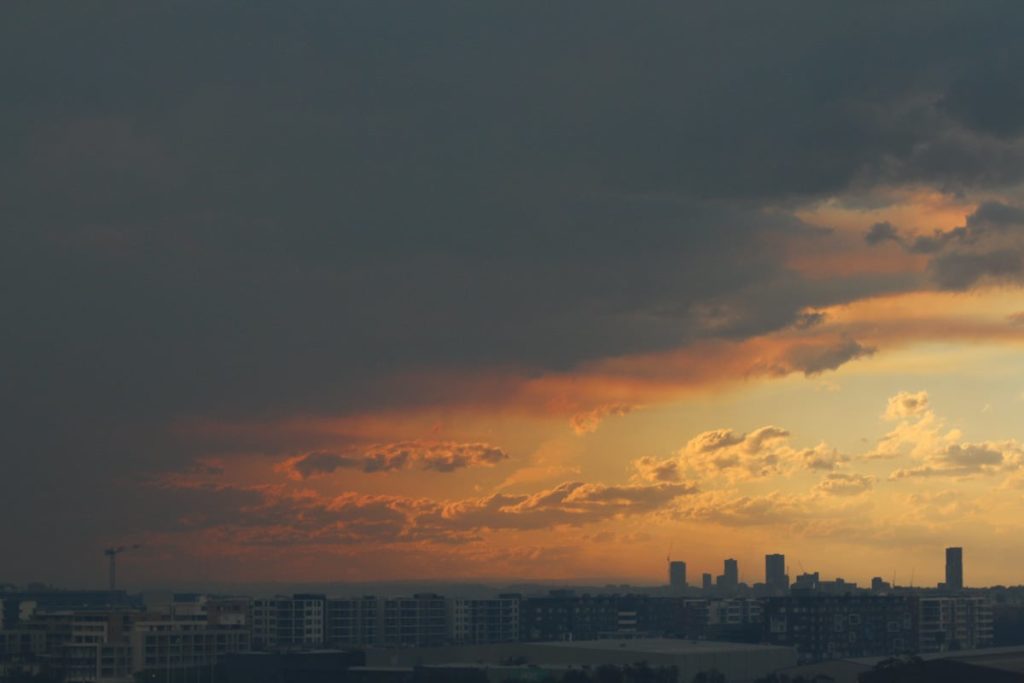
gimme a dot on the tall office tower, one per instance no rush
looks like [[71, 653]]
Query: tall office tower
[[677, 574], [731, 573], [775, 572], [705, 582], [954, 568]]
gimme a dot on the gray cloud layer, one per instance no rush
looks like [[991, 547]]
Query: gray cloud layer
[[255, 210]]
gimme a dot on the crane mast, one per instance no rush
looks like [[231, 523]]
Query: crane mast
[[112, 554]]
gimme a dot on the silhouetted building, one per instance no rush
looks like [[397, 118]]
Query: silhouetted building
[[236, 611], [730, 619], [476, 622], [421, 621], [562, 615], [836, 587], [775, 577], [954, 623], [21, 644], [677, 575], [85, 644], [163, 645], [826, 627], [288, 623], [954, 569], [806, 583], [705, 581], [880, 586], [731, 572], [730, 577], [353, 621]]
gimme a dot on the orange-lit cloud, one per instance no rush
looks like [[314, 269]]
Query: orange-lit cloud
[[439, 456], [274, 514], [588, 421]]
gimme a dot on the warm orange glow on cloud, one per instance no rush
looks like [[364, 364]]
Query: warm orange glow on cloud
[[513, 482], [918, 209]]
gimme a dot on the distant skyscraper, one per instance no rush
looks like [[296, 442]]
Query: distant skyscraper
[[677, 574], [731, 573], [954, 568], [775, 572], [705, 581]]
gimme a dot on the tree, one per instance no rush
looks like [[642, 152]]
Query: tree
[[608, 673]]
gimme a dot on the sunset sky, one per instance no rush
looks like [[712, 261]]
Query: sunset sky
[[350, 291]]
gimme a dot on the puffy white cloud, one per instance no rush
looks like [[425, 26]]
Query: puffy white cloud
[[967, 459], [734, 456], [937, 451], [762, 452], [906, 404], [919, 431]]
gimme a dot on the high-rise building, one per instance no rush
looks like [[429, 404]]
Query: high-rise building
[[705, 581], [954, 568], [677, 574], [731, 573], [775, 573]]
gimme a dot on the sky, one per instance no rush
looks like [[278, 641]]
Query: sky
[[516, 290]]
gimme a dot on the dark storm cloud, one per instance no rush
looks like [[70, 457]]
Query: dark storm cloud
[[881, 232], [960, 270], [815, 359], [989, 98], [249, 209]]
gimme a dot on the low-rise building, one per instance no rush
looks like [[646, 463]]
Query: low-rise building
[[421, 621], [173, 645], [353, 622], [289, 622], [476, 621], [947, 623], [832, 627]]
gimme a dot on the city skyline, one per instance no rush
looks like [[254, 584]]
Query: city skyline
[[678, 575], [348, 292]]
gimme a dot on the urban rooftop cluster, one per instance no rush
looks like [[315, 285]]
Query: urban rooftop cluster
[[79, 636]]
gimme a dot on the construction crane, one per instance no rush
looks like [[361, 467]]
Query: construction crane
[[112, 554]]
